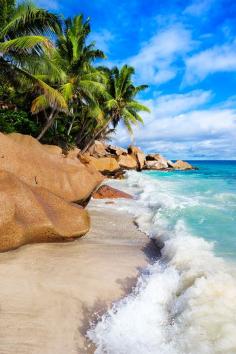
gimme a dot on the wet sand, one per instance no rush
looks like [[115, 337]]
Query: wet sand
[[50, 293]]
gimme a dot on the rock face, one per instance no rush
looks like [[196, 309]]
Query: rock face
[[110, 192], [155, 165], [104, 164], [128, 162], [98, 149], [43, 166], [182, 165], [32, 214], [116, 150], [138, 155]]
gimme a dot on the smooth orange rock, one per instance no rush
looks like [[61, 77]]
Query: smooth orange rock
[[127, 162], [110, 192], [33, 214], [182, 165], [41, 166], [104, 164]]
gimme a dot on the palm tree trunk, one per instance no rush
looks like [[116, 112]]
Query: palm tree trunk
[[48, 124], [96, 135]]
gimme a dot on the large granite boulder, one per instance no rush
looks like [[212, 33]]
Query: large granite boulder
[[116, 150], [104, 164], [98, 149], [138, 154], [127, 162], [31, 214], [156, 162], [42, 166], [107, 192], [182, 165], [155, 165]]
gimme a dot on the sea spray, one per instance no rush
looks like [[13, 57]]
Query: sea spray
[[183, 304]]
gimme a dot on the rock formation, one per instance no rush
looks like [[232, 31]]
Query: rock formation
[[44, 166], [108, 192], [33, 214], [37, 185]]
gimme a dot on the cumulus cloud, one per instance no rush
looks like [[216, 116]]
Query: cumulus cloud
[[180, 128], [103, 40], [217, 59], [156, 61]]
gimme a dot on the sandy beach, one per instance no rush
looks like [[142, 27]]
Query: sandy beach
[[51, 292]]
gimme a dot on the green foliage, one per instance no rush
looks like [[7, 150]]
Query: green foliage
[[47, 68], [18, 121], [6, 11]]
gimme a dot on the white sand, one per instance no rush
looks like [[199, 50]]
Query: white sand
[[50, 292]]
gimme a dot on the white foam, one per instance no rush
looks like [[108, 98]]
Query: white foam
[[185, 304]]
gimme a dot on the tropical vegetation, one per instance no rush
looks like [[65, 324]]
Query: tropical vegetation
[[51, 84]]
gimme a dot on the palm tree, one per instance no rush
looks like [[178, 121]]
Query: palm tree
[[121, 104], [82, 84], [25, 47]]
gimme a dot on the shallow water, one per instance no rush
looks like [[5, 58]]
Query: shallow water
[[186, 302]]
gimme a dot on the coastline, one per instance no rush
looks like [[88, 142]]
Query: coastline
[[57, 290]]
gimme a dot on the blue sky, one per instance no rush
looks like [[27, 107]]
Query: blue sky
[[186, 52]]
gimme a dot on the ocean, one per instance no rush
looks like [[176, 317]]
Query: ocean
[[184, 303]]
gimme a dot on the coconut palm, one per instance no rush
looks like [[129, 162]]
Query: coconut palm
[[121, 104], [82, 84], [25, 47]]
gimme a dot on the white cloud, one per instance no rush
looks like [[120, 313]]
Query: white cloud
[[155, 62], [183, 130], [103, 40], [48, 4], [216, 59], [199, 7]]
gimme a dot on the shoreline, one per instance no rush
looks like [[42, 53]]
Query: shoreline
[[57, 290]]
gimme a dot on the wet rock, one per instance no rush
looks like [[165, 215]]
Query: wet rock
[[182, 165], [110, 192]]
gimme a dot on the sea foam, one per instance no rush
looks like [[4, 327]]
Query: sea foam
[[183, 304]]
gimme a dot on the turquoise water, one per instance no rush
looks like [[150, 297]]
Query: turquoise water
[[207, 202], [185, 302]]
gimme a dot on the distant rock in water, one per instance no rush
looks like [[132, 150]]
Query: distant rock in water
[[182, 165], [32, 214], [105, 191], [131, 159]]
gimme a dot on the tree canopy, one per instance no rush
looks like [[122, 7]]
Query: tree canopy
[[49, 70]]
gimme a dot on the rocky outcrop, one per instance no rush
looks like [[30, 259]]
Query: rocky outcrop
[[116, 150], [138, 155], [128, 162], [108, 192], [30, 214], [46, 167], [112, 160], [182, 165], [104, 164], [98, 149]]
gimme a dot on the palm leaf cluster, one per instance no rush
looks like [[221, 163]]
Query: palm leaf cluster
[[54, 62]]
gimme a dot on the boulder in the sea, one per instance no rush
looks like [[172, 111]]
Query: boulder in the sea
[[110, 192], [128, 162], [182, 165], [46, 167], [155, 165], [159, 158], [30, 214]]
